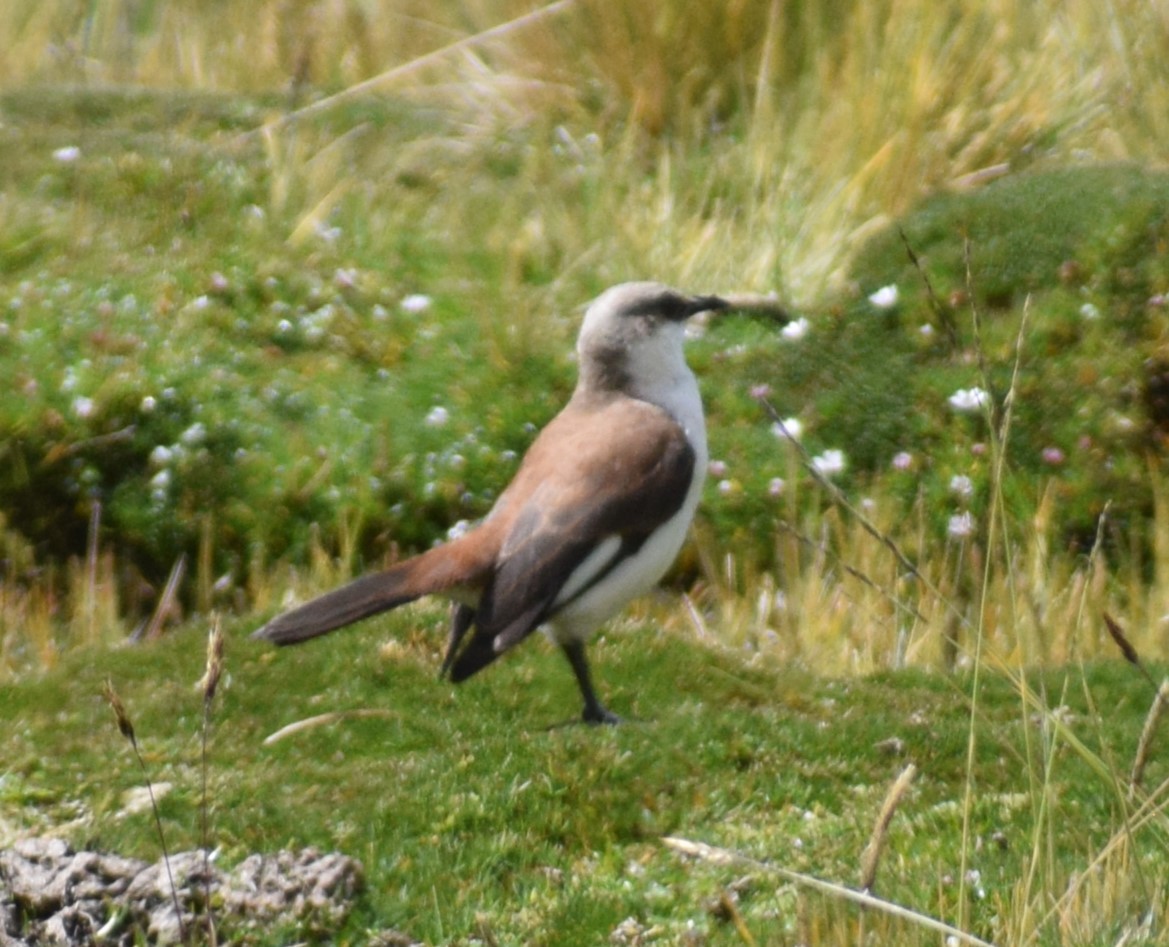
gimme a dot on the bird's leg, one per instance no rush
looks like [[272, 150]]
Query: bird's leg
[[462, 618], [594, 710]]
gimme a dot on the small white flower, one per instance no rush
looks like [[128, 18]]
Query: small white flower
[[461, 528], [416, 302], [961, 526], [1090, 311], [962, 486], [726, 487], [161, 480], [161, 456], [195, 434], [792, 428], [967, 400], [67, 155], [902, 460], [775, 486], [83, 407], [886, 297], [795, 330], [830, 463], [926, 329], [438, 416], [149, 403]]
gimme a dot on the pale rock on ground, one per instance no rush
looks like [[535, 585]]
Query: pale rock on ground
[[51, 894]]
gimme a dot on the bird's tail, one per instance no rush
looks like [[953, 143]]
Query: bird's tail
[[433, 571]]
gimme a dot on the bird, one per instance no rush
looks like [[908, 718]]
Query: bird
[[595, 515]]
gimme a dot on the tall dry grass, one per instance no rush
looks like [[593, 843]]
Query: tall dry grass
[[812, 121]]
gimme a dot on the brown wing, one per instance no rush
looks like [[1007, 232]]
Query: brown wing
[[620, 470]]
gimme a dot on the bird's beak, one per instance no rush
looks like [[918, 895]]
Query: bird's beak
[[756, 304], [699, 304]]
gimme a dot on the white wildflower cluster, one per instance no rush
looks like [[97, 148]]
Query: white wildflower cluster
[[830, 463], [969, 400], [795, 330], [166, 459], [886, 297], [788, 429], [443, 472], [415, 303], [962, 524]]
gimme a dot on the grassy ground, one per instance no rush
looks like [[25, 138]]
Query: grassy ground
[[259, 332], [477, 818]]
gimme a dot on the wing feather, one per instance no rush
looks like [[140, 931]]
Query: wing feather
[[617, 471]]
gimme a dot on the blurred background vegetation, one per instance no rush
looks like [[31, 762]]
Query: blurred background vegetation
[[286, 287]]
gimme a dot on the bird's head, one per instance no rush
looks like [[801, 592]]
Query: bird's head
[[632, 335]]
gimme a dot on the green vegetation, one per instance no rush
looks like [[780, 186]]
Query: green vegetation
[[286, 287], [477, 818]]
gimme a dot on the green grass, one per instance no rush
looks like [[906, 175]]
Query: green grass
[[471, 810]]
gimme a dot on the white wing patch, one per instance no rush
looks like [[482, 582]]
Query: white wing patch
[[594, 564]]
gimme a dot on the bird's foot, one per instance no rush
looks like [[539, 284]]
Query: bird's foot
[[597, 714]]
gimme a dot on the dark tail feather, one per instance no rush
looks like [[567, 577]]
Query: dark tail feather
[[361, 598]]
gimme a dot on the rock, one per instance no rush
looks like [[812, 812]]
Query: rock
[[50, 894]]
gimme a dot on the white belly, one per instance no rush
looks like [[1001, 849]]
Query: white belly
[[633, 577], [677, 393]]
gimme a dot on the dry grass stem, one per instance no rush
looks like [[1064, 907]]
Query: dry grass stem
[[414, 66], [1146, 741], [723, 856], [214, 666], [941, 312], [91, 561], [729, 909], [871, 857], [208, 684], [126, 727], [1127, 649], [166, 601], [321, 720]]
